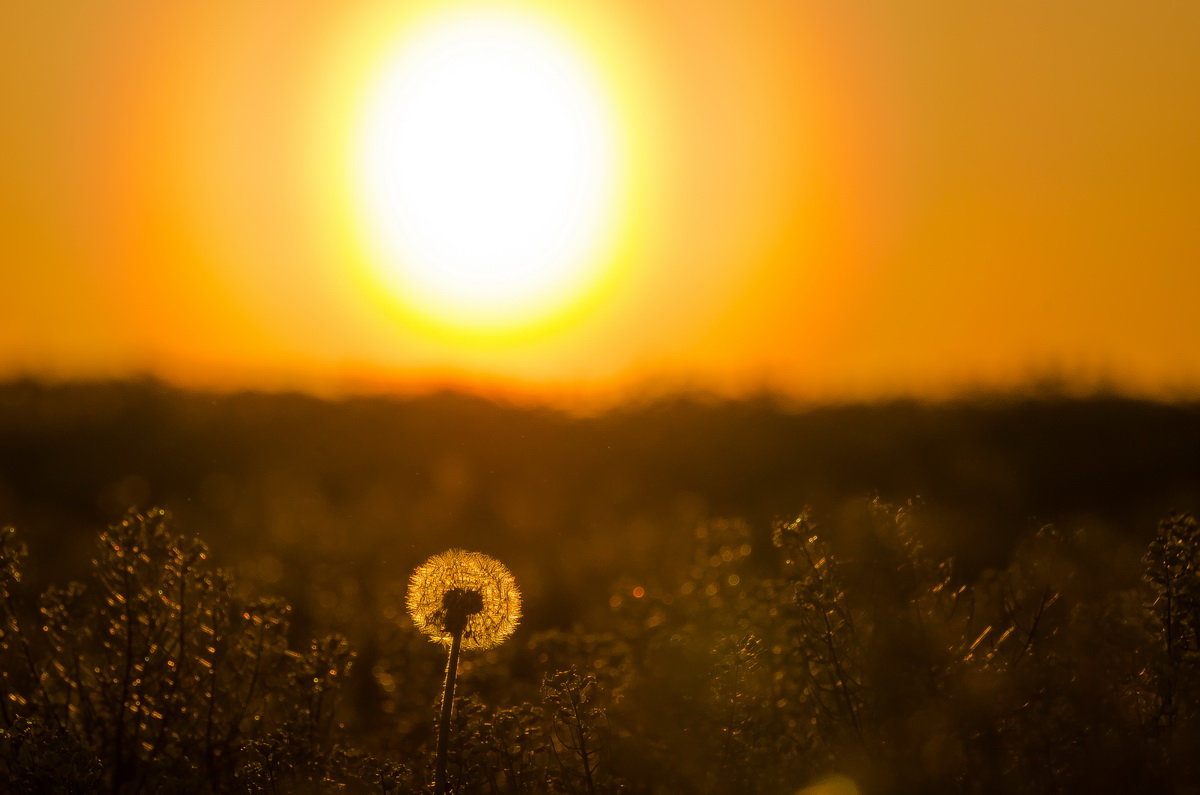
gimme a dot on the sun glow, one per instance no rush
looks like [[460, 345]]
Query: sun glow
[[488, 166]]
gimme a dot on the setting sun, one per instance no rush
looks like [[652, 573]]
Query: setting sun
[[488, 169]]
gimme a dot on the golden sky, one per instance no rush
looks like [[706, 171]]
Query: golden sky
[[836, 199]]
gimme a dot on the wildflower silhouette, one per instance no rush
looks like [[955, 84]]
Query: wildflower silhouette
[[462, 600]]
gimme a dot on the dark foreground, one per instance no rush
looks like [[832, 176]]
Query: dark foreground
[[952, 643]]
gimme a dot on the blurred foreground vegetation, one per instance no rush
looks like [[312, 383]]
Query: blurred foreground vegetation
[[884, 669], [1028, 625]]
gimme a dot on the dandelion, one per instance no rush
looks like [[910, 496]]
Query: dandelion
[[462, 600]]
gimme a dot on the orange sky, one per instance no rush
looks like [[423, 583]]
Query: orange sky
[[835, 199]]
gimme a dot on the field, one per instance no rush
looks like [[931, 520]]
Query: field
[[989, 594]]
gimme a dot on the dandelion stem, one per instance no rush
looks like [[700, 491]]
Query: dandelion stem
[[447, 708]]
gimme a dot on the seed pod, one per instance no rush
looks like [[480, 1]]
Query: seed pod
[[464, 591]]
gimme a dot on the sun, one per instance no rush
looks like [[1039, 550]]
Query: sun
[[488, 169]]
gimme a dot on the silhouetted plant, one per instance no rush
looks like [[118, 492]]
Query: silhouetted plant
[[461, 599], [161, 672], [1172, 669], [578, 731], [1173, 572], [38, 757]]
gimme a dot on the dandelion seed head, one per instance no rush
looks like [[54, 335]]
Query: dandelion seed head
[[464, 591]]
